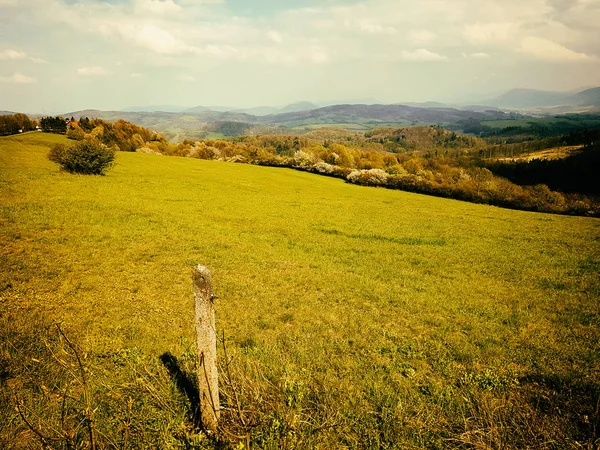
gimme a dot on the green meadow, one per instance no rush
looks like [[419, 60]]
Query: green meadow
[[353, 317]]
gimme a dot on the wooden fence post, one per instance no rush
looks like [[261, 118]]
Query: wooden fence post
[[208, 377]]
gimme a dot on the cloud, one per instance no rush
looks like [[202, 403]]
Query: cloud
[[18, 78], [275, 36], [222, 52], [319, 56], [422, 55], [476, 55], [136, 75], [91, 71], [157, 7], [486, 33], [12, 54], [421, 36], [149, 36], [186, 78], [546, 50], [8, 55], [373, 28]]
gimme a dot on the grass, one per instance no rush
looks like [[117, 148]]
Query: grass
[[356, 317]]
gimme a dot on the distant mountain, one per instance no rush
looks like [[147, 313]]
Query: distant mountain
[[354, 101], [374, 114], [222, 108], [257, 111], [297, 107], [153, 108], [423, 104], [531, 99], [589, 97], [528, 99], [6, 113], [270, 110], [197, 109]]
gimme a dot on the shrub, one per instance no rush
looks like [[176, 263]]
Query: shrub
[[75, 133], [88, 156]]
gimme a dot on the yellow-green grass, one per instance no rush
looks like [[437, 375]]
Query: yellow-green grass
[[363, 317]]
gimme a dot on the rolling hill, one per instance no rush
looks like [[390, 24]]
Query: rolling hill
[[193, 124], [351, 317]]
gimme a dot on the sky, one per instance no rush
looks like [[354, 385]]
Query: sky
[[66, 55]]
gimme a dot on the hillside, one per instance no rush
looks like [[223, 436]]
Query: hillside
[[196, 123], [352, 316], [377, 114], [589, 97]]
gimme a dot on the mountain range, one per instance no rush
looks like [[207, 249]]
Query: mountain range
[[587, 100], [527, 100], [256, 111], [178, 123], [177, 126]]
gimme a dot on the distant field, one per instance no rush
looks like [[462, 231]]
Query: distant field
[[546, 154], [526, 122], [356, 317], [346, 126], [351, 126]]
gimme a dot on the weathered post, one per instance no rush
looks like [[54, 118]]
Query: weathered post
[[208, 378]]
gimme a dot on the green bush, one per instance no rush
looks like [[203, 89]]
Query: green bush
[[77, 134], [88, 156]]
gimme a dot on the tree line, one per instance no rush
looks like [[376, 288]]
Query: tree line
[[12, 124], [432, 165]]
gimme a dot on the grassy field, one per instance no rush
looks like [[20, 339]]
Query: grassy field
[[355, 317]]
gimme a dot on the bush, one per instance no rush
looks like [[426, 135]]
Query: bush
[[89, 157], [75, 133]]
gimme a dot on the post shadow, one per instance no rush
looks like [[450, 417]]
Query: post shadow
[[185, 384]]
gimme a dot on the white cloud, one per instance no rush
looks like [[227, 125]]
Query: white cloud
[[421, 36], [546, 50], [158, 7], [223, 52], [476, 55], [136, 75], [374, 28], [8, 55], [12, 54], [91, 71], [275, 36], [422, 55], [18, 78], [484, 33], [186, 78], [149, 36], [319, 57]]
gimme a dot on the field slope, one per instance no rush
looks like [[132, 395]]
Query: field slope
[[356, 317]]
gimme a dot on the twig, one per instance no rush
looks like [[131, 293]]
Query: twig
[[89, 412], [235, 395], [43, 438]]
